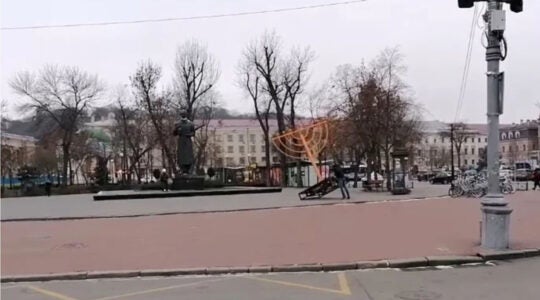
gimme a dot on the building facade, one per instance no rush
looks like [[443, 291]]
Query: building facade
[[434, 151], [520, 142], [238, 143], [17, 151]]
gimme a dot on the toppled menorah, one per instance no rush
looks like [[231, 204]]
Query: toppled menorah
[[307, 142]]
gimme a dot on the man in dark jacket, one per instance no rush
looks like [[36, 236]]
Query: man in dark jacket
[[164, 178], [342, 181], [536, 178]]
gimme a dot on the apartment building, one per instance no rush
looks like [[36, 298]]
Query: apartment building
[[17, 150], [238, 143], [520, 142], [433, 152]]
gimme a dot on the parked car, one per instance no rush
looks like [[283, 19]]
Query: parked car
[[505, 172], [441, 178], [424, 176], [523, 171]]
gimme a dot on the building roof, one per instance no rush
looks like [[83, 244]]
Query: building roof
[[239, 123], [19, 137], [437, 126]]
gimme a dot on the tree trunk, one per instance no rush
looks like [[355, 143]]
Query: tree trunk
[[387, 168], [268, 166], [65, 163]]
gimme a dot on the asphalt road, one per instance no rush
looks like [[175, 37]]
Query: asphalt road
[[82, 205], [502, 280]]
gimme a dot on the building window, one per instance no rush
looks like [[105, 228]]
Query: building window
[[472, 152], [262, 138], [466, 163], [426, 141], [485, 140], [419, 152], [252, 149], [263, 159], [524, 147], [252, 138], [479, 140], [263, 148], [472, 162], [219, 138], [434, 141], [230, 161], [510, 135], [230, 149], [242, 160], [517, 134], [442, 140], [466, 139], [241, 149], [253, 160], [275, 159], [241, 138], [229, 138], [503, 136], [466, 151]]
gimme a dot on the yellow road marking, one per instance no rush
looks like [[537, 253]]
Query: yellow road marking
[[160, 289], [343, 284], [51, 294]]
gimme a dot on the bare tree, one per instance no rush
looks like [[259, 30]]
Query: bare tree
[[63, 94], [132, 135], [388, 68], [461, 134], [204, 113], [156, 105], [282, 79], [251, 81], [196, 73]]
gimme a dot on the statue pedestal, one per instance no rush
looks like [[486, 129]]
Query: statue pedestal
[[188, 182]]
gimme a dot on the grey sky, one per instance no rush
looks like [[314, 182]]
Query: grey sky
[[432, 35]]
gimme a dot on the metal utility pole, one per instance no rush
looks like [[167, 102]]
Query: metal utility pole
[[495, 210], [452, 153]]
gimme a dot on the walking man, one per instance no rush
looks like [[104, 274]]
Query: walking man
[[536, 178], [48, 185], [164, 178], [342, 181]]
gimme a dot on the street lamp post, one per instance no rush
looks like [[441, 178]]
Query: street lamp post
[[495, 210]]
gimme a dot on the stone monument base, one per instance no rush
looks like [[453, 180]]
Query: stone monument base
[[187, 182]]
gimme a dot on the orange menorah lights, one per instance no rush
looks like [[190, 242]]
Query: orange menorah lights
[[304, 142]]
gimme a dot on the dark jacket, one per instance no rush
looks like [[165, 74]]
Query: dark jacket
[[164, 177], [338, 172]]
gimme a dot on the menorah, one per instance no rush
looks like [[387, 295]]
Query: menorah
[[307, 141]]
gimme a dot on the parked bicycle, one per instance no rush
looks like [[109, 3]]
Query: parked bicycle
[[477, 186]]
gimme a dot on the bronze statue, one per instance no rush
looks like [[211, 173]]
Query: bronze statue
[[185, 130]]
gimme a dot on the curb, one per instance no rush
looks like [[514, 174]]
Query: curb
[[44, 219], [428, 261]]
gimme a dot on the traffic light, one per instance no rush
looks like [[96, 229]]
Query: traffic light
[[516, 5], [465, 3]]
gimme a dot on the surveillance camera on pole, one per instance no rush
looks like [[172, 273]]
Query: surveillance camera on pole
[[495, 211]]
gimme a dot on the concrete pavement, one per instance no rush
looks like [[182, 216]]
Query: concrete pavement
[[320, 234], [83, 206], [500, 281]]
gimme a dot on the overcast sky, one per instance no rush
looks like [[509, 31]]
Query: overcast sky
[[432, 35]]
